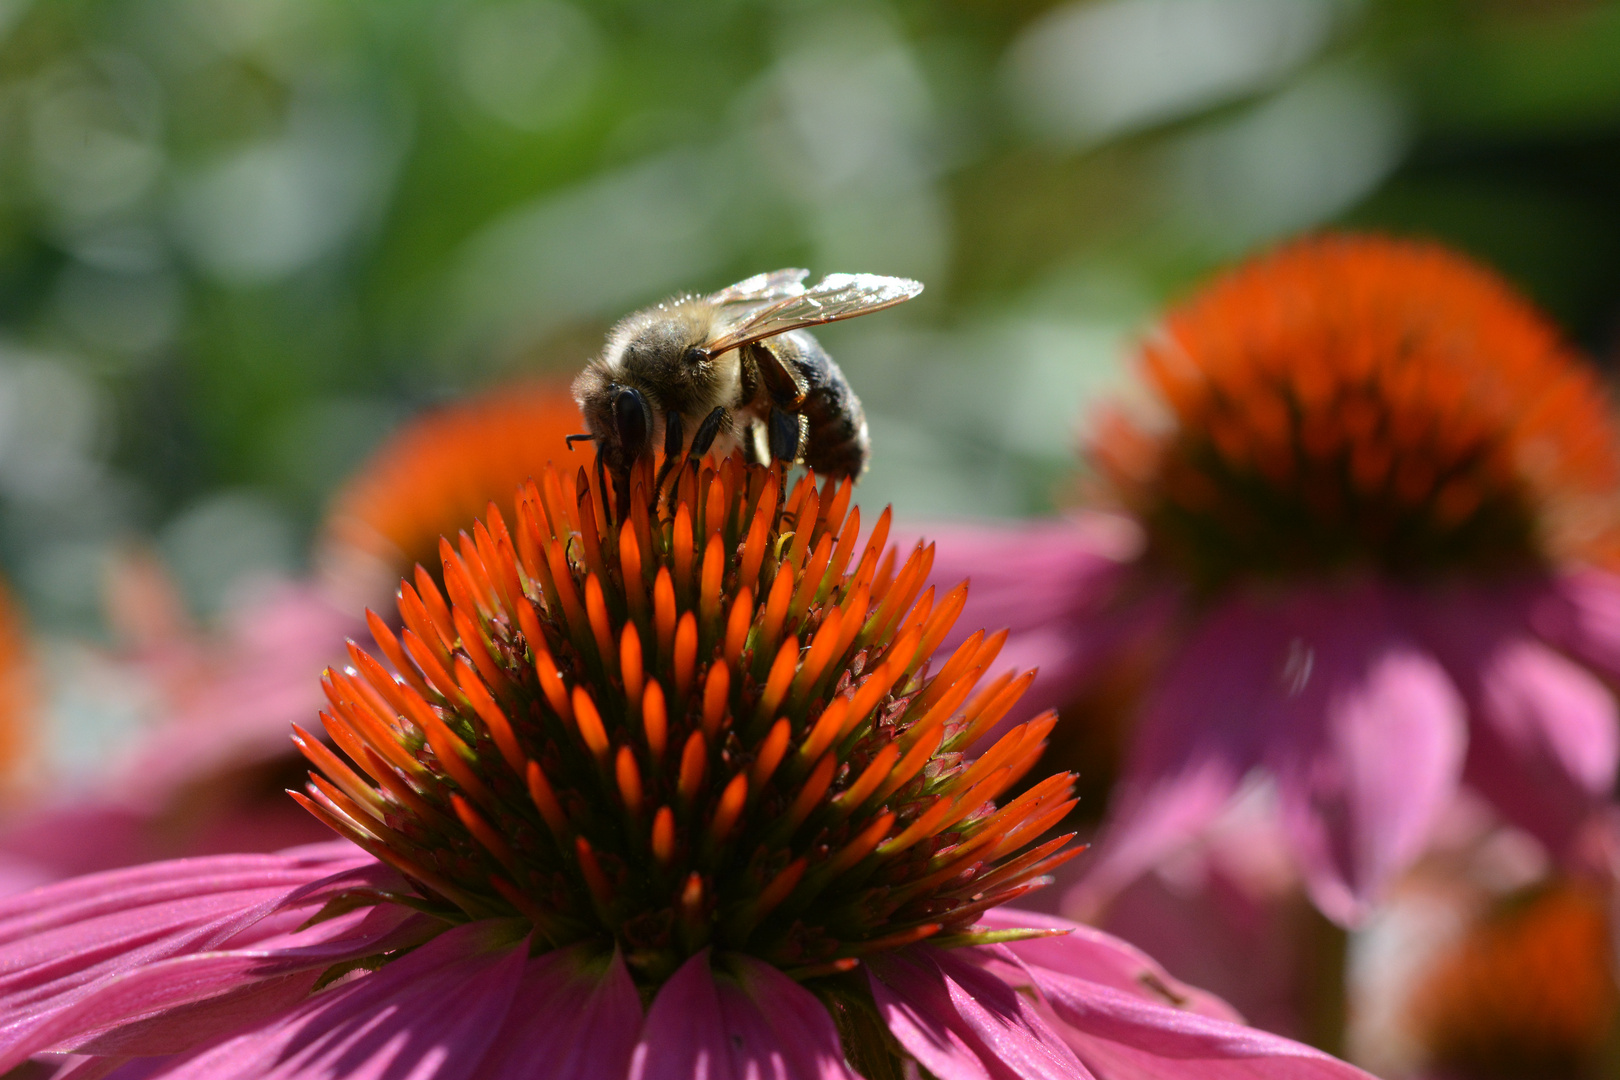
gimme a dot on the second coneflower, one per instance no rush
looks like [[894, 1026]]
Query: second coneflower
[[676, 796], [1372, 501]]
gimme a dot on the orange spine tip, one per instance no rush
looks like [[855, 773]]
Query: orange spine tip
[[927, 824], [780, 677], [912, 763], [822, 652], [716, 698], [663, 836], [476, 647], [568, 595], [771, 752], [389, 644], [994, 709], [654, 720], [804, 520], [776, 608], [500, 730], [343, 736], [437, 610], [918, 615], [457, 580], [551, 683], [714, 508], [737, 624], [478, 571], [753, 554], [942, 709], [589, 723], [631, 670], [884, 577], [438, 678], [664, 613], [845, 549], [545, 801], [528, 539], [498, 562], [559, 506], [877, 543], [694, 761], [780, 887], [482, 831], [601, 629], [838, 505], [589, 539], [371, 675], [999, 753], [810, 582], [681, 549], [591, 870], [946, 679], [714, 569], [810, 795], [730, 808], [635, 590], [333, 766], [856, 606], [692, 898], [826, 730], [870, 780], [629, 780], [685, 654], [860, 847]]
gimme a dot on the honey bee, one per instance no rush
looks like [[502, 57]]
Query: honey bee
[[735, 367]]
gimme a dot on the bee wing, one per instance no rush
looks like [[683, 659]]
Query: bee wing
[[764, 288], [834, 297]]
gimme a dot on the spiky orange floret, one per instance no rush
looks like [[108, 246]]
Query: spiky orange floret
[[439, 471], [1530, 992], [708, 724], [1365, 401]]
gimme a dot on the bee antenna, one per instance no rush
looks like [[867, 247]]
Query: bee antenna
[[572, 439]]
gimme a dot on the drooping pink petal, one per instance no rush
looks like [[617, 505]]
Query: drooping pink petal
[[1367, 753], [963, 1023], [1200, 732], [574, 1017], [430, 1015], [756, 1024], [1122, 1036], [71, 954], [1545, 741], [1091, 954]]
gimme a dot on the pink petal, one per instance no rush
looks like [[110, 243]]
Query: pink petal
[[66, 965], [1085, 952], [756, 1025], [592, 1021], [428, 1016], [1366, 755], [1124, 1037], [1546, 738], [963, 1023], [1580, 614], [1198, 736]]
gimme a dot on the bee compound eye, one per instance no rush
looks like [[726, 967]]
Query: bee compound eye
[[632, 420]]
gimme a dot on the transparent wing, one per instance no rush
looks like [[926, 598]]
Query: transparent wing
[[762, 288], [834, 297]]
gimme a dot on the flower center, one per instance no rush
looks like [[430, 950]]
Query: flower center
[[1364, 403], [709, 724]]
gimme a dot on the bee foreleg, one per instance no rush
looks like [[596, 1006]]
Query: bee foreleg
[[704, 437], [787, 435]]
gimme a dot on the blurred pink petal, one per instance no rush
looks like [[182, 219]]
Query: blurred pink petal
[[1367, 755], [592, 1017]]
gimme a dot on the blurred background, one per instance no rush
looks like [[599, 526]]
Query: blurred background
[[241, 240]]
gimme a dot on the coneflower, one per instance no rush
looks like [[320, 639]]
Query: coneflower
[[677, 795], [1375, 503]]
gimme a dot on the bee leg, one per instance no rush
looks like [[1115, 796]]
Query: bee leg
[[704, 437], [787, 432], [674, 437], [621, 489]]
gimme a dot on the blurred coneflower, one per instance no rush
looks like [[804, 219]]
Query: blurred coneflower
[[1375, 508], [677, 796]]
